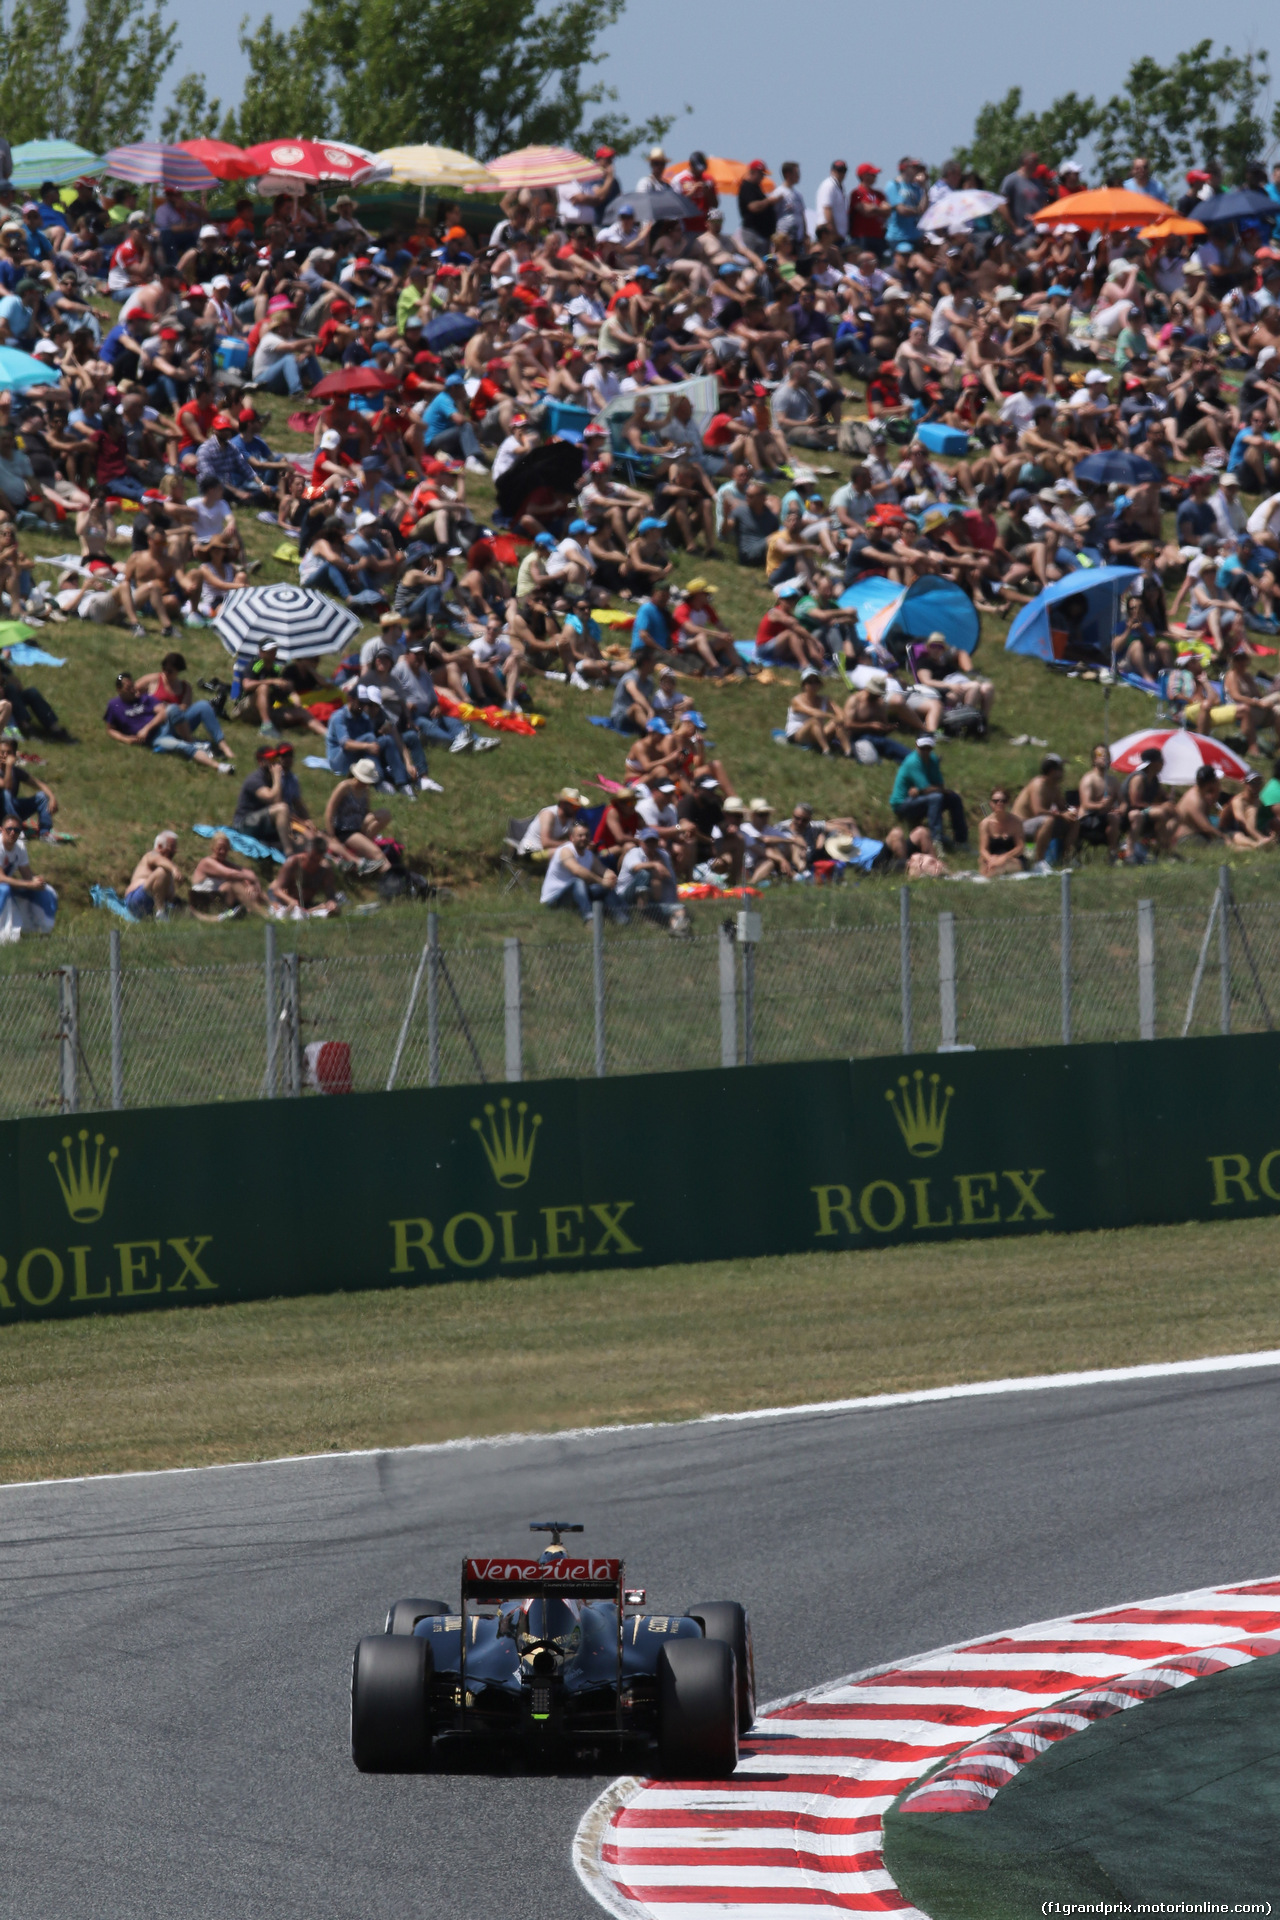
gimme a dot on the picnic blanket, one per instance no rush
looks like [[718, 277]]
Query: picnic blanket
[[108, 897], [22, 654], [243, 843]]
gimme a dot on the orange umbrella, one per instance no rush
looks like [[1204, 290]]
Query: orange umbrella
[[726, 176], [1169, 229], [1110, 209]]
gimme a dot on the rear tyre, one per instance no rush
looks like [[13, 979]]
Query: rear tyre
[[405, 1614], [390, 1719], [697, 1709], [727, 1621]]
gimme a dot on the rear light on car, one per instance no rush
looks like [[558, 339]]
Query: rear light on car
[[633, 1596], [540, 1700]]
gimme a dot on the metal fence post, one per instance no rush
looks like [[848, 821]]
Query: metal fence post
[[68, 1039], [291, 1020], [597, 980], [1066, 958], [1224, 948], [1146, 970], [947, 978], [117, 1023], [433, 999], [273, 1033], [511, 1003], [904, 947], [728, 999], [407, 1022]]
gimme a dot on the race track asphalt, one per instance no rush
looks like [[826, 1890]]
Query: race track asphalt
[[177, 1647]]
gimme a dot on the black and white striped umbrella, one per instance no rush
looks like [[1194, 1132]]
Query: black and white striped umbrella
[[302, 622]]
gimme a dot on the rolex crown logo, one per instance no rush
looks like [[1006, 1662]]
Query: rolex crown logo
[[921, 1120], [508, 1150], [84, 1187]]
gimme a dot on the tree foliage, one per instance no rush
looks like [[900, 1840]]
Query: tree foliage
[[98, 86], [480, 75], [1002, 133], [286, 90], [1200, 107], [191, 114]]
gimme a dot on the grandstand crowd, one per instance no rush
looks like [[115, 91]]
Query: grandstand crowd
[[892, 375]]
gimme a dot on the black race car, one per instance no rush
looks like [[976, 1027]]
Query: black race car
[[554, 1654]]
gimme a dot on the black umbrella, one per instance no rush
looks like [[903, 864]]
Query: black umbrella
[[1117, 468], [557, 465], [1243, 203]]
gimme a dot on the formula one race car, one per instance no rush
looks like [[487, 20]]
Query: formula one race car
[[549, 1655]]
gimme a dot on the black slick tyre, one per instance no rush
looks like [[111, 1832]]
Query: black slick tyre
[[390, 1719], [728, 1621], [405, 1614], [697, 1710]]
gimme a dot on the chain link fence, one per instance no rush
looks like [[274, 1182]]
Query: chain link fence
[[85, 1038]]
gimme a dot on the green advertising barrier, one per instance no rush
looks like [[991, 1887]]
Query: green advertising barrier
[[183, 1206]]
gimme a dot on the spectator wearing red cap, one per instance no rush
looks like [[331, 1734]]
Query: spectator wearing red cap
[[868, 211], [833, 202], [220, 459]]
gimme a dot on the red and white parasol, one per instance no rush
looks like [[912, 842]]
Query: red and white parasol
[[1184, 755], [312, 161]]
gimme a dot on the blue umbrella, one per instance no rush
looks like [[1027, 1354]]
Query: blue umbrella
[[18, 371], [1117, 469], [1244, 203], [449, 330], [36, 161]]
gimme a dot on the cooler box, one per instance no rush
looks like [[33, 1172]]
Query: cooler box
[[945, 440], [561, 418], [233, 355]]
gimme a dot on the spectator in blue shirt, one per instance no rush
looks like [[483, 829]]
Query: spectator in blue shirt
[[652, 625], [37, 245], [447, 426], [919, 794], [219, 458], [353, 735], [906, 199], [18, 310]]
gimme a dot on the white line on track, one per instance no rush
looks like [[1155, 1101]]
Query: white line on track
[[868, 1403]]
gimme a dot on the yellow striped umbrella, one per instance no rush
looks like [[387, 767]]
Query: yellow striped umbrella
[[437, 167], [543, 167]]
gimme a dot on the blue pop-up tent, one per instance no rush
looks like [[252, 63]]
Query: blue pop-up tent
[[1102, 587], [929, 606]]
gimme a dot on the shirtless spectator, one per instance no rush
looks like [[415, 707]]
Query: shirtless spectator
[[156, 581], [154, 884], [1045, 815], [304, 886], [218, 880], [1101, 814]]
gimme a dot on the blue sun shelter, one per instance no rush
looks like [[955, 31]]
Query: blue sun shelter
[[931, 605], [1038, 632]]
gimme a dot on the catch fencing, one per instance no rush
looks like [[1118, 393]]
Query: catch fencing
[[79, 1039]]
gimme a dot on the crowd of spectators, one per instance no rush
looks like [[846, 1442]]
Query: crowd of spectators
[[636, 388]]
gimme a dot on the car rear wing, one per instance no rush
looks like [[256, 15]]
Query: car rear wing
[[571, 1577]]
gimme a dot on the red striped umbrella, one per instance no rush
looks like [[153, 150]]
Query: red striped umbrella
[[1184, 755], [149, 164], [310, 160], [221, 158]]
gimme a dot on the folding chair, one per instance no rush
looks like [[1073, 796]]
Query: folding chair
[[515, 865]]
